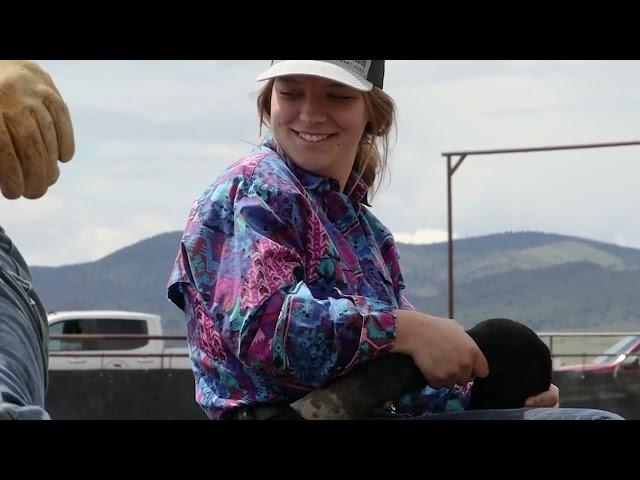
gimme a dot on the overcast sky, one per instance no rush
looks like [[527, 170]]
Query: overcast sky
[[150, 136]]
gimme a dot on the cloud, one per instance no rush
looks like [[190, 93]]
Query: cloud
[[102, 241], [32, 212], [423, 236], [150, 136]]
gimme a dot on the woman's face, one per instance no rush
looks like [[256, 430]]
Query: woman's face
[[318, 123]]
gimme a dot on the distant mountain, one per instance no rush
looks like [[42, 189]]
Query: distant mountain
[[544, 280], [132, 278], [548, 281]]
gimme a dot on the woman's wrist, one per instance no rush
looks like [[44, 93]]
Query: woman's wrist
[[406, 321]]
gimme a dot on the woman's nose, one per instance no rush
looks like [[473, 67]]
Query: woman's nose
[[312, 111]]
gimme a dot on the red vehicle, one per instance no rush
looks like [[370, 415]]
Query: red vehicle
[[624, 355]]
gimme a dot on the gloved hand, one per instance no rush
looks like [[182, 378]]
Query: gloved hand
[[35, 130]]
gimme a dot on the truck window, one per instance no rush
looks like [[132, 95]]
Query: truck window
[[119, 326], [68, 327], [64, 328], [102, 326]]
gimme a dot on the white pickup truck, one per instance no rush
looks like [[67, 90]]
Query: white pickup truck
[[96, 353]]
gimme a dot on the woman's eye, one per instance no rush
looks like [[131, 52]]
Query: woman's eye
[[334, 96], [287, 93]]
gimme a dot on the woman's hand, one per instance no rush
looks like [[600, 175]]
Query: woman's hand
[[550, 398], [440, 348]]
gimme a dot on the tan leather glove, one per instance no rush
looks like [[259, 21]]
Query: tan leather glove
[[35, 130]]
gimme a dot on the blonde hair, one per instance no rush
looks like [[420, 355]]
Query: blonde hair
[[375, 144]]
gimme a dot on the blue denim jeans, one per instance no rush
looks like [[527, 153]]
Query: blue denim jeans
[[24, 339], [510, 414]]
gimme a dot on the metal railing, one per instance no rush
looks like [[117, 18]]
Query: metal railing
[[458, 158], [112, 352], [585, 355], [115, 353]]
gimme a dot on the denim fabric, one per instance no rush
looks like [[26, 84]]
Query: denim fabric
[[23, 339]]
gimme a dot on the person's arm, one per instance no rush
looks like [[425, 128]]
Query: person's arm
[[23, 339], [245, 265], [428, 399], [35, 132]]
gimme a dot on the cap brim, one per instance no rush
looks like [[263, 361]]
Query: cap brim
[[316, 68]]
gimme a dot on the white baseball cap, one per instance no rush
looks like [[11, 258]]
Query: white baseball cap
[[362, 75]]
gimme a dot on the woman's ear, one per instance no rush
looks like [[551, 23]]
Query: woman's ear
[[368, 128]]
